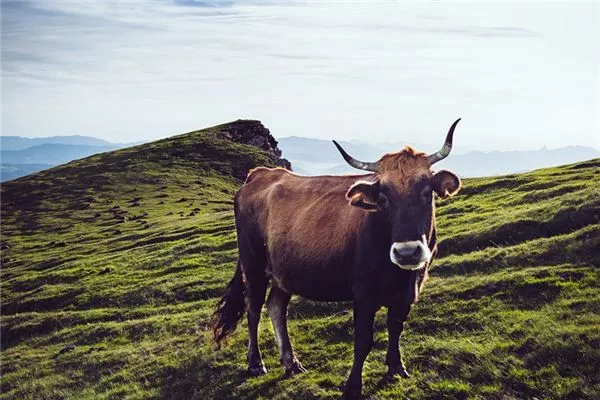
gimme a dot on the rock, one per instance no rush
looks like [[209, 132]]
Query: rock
[[284, 163], [254, 133]]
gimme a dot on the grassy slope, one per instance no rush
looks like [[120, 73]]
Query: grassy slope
[[113, 264]]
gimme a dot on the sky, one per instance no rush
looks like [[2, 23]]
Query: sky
[[521, 75]]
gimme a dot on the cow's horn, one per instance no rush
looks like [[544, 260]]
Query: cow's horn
[[445, 150], [367, 166]]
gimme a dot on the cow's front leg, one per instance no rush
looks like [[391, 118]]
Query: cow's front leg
[[363, 341], [393, 358]]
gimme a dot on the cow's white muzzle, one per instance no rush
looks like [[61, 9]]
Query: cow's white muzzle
[[410, 255]]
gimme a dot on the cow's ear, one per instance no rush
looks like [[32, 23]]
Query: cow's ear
[[364, 194], [445, 183]]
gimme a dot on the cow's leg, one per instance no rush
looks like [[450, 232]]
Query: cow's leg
[[363, 341], [277, 303], [393, 358], [256, 289], [396, 316]]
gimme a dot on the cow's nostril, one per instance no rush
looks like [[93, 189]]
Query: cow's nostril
[[417, 253], [403, 253]]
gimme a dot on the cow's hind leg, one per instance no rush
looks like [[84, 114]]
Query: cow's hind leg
[[256, 285], [277, 305]]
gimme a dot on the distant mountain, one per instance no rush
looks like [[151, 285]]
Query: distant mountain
[[52, 153], [320, 151], [477, 164], [20, 156], [320, 157], [20, 143], [316, 156], [308, 156], [14, 171]]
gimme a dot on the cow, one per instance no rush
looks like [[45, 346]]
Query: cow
[[369, 239]]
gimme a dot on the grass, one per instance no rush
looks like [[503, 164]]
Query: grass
[[111, 267]]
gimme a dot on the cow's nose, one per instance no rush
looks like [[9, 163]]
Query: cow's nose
[[410, 255], [407, 253]]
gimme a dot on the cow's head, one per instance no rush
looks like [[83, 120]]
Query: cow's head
[[402, 191]]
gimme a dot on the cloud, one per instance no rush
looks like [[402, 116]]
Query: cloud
[[204, 4], [149, 68]]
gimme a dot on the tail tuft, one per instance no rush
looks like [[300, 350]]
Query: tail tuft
[[230, 309]]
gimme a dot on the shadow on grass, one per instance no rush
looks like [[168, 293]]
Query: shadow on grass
[[303, 308], [521, 294], [383, 383], [565, 221], [56, 302], [199, 379]]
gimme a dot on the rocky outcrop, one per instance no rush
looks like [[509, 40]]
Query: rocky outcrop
[[254, 133]]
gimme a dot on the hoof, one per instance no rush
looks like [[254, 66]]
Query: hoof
[[296, 368], [352, 395], [257, 370], [398, 371], [352, 391]]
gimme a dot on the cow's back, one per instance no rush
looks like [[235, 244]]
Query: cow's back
[[305, 229]]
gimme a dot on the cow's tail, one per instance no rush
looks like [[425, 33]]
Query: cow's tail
[[230, 309]]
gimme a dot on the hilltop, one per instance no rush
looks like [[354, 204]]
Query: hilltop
[[111, 266], [22, 156]]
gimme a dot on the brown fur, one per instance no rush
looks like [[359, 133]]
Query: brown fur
[[405, 163]]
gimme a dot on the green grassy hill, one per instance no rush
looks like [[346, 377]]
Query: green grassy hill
[[111, 267]]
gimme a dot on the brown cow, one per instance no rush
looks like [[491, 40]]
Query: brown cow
[[300, 234]]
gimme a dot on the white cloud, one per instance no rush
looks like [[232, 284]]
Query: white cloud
[[521, 76]]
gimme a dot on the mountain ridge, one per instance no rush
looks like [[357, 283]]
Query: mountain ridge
[[21, 142], [8, 142], [319, 157], [310, 156]]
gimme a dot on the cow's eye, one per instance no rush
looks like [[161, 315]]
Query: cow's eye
[[382, 200]]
